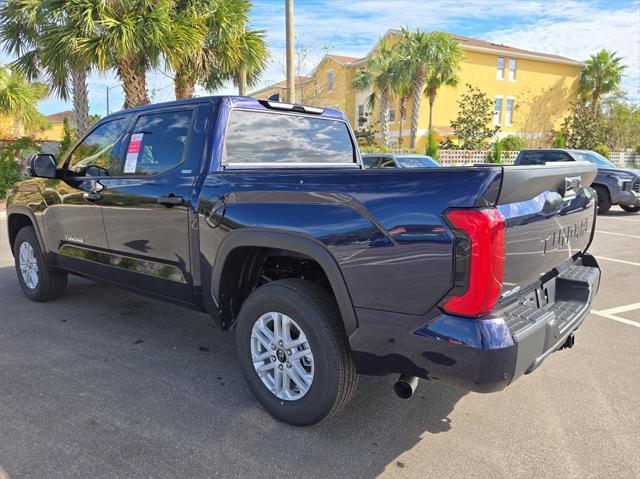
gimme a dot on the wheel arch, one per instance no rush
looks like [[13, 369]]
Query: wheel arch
[[291, 242], [17, 218]]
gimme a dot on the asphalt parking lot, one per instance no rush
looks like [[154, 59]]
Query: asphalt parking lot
[[104, 383]]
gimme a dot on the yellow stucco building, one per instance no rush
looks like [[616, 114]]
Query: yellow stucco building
[[532, 91], [52, 132]]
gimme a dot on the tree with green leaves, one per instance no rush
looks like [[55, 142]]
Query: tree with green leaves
[[131, 37], [583, 130], [473, 125], [19, 98], [26, 29], [382, 76], [430, 60], [600, 75], [228, 50]]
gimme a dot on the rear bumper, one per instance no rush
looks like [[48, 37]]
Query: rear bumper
[[482, 355]]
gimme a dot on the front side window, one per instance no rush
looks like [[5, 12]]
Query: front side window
[[512, 69], [158, 143], [497, 111], [500, 69], [271, 138], [330, 80], [508, 112], [99, 148]]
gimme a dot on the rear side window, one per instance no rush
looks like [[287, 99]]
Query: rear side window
[[271, 138], [158, 143]]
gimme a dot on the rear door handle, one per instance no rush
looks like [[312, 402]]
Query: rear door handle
[[170, 200]]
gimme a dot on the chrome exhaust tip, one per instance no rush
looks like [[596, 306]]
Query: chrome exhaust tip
[[405, 386]]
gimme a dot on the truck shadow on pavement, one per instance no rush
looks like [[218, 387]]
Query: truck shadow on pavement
[[105, 380]]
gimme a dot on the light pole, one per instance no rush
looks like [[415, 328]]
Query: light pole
[[291, 87], [110, 88]]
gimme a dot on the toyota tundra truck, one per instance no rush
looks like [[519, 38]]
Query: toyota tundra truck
[[261, 214]]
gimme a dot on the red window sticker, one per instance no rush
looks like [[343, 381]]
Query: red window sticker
[[132, 153]]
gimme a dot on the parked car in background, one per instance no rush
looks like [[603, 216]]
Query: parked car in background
[[260, 214], [392, 160], [614, 185]]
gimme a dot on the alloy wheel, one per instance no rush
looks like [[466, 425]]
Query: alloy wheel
[[281, 356]]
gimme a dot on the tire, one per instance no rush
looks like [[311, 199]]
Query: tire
[[630, 209], [604, 200], [313, 310], [49, 283]]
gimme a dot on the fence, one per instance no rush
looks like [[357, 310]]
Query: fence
[[622, 158]]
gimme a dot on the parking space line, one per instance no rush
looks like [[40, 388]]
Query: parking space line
[[618, 260], [616, 218], [617, 234], [604, 314], [621, 309]]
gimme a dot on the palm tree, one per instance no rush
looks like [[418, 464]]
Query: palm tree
[[381, 75], [130, 36], [430, 60], [24, 31], [228, 50], [600, 75], [19, 98]]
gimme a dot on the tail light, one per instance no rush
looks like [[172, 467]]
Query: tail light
[[479, 261]]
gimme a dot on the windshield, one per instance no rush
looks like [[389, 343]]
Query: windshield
[[416, 162], [595, 158]]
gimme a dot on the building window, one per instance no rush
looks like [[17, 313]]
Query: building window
[[512, 69], [508, 112], [361, 118], [497, 111], [330, 80], [500, 70], [392, 114]]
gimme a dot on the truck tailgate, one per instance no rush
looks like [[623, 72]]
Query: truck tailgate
[[549, 216]]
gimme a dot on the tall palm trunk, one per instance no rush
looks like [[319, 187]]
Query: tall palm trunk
[[242, 80], [403, 114], [132, 73], [80, 99], [384, 118], [595, 99], [184, 85], [432, 100], [418, 86]]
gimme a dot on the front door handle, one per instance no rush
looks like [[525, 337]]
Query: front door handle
[[170, 200], [92, 196]]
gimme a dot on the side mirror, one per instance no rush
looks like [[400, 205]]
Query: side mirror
[[42, 165]]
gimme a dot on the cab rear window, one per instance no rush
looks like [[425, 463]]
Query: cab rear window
[[276, 138]]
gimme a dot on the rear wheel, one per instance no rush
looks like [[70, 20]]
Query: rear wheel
[[294, 352], [604, 200], [630, 209], [39, 282]]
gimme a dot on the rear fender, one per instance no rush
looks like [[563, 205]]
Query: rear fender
[[296, 243]]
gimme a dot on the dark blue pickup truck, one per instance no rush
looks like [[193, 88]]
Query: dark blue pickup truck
[[261, 214]]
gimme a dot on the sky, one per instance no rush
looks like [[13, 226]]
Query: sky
[[571, 28]]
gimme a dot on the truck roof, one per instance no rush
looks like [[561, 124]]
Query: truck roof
[[245, 102]]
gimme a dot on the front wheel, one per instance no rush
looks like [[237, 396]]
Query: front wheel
[[294, 353], [39, 282], [604, 200], [630, 209]]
